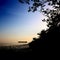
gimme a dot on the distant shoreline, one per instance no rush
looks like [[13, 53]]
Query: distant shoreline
[[12, 44]]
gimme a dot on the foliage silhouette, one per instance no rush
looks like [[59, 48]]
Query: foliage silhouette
[[48, 40]]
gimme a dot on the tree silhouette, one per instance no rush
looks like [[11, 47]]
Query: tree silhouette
[[48, 39]]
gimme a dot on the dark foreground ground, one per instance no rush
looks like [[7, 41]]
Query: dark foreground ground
[[26, 54], [15, 53]]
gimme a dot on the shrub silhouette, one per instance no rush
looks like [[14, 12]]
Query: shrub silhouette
[[49, 39]]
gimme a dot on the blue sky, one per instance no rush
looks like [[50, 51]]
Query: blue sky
[[17, 24]]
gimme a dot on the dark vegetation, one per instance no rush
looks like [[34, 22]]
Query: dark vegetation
[[48, 41]]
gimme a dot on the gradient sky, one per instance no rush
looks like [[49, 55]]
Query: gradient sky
[[17, 24]]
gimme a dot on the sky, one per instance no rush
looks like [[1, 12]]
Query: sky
[[17, 24]]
